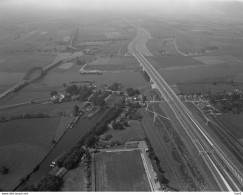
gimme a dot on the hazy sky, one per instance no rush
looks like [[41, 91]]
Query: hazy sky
[[164, 5], [98, 3]]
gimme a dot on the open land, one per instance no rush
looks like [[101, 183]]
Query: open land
[[114, 64], [23, 145], [120, 171], [233, 123], [74, 180]]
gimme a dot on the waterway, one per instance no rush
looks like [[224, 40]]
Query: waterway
[[69, 140]]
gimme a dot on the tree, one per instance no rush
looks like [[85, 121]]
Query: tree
[[114, 125], [53, 93], [115, 86], [50, 183], [131, 92], [73, 89], [162, 179], [3, 119], [75, 110], [4, 170]]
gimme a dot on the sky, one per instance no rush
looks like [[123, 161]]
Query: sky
[[129, 5]]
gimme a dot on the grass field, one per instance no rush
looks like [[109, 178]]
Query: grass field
[[23, 144], [233, 123], [120, 171], [19, 158], [115, 63], [23, 62], [50, 108], [74, 180], [28, 36], [174, 61], [130, 79], [202, 72]]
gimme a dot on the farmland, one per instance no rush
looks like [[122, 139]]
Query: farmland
[[23, 62], [113, 64], [23, 145], [233, 123], [50, 108], [74, 180], [120, 171], [212, 51]]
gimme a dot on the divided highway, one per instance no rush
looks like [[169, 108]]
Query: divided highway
[[227, 176]]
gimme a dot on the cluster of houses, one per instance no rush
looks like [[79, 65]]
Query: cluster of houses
[[136, 99], [58, 98]]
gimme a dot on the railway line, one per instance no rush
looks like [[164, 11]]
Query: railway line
[[226, 174]]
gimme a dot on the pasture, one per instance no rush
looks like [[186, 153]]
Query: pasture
[[120, 171], [114, 63], [74, 180], [233, 123], [23, 143], [202, 72], [175, 61], [49, 108], [21, 63], [29, 37]]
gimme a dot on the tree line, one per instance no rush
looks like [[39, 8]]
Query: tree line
[[24, 116], [72, 158]]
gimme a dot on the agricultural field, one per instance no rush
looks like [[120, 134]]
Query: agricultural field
[[199, 73], [115, 63], [35, 91], [74, 180], [233, 123], [120, 171], [102, 29], [31, 36], [23, 145], [55, 79], [24, 142], [167, 62], [48, 108], [21, 63], [162, 47]]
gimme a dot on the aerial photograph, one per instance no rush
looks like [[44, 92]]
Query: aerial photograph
[[121, 96]]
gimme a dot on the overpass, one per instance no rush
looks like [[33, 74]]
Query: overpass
[[226, 174]]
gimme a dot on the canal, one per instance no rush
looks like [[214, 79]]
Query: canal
[[69, 140]]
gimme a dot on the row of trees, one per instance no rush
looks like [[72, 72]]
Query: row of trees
[[115, 87], [228, 102], [99, 98], [80, 62], [4, 170], [132, 92], [71, 159], [152, 156], [24, 116], [82, 91], [47, 183]]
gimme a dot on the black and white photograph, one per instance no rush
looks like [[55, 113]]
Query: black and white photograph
[[121, 96]]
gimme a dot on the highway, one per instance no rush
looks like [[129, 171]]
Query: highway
[[227, 176]]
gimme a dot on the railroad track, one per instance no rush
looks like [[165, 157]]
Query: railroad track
[[228, 177]]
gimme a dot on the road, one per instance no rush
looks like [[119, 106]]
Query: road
[[227, 176]]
